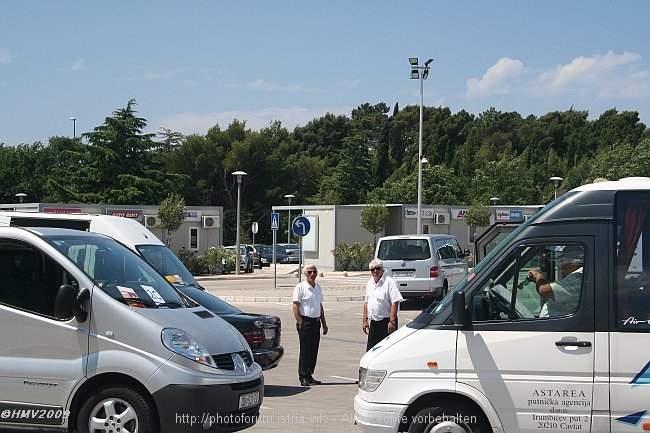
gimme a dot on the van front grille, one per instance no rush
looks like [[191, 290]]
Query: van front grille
[[225, 361]]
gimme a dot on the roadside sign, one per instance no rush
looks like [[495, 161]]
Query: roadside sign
[[255, 227], [275, 221], [301, 226]]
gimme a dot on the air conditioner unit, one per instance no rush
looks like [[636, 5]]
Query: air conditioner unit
[[211, 222], [150, 221], [441, 218]]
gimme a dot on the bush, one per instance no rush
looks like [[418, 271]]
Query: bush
[[219, 260], [353, 256], [194, 263]]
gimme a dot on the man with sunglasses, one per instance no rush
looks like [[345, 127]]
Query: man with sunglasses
[[381, 305], [309, 314]]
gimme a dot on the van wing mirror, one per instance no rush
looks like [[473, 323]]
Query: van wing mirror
[[458, 309], [69, 302]]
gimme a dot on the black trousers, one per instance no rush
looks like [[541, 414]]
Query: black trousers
[[309, 337], [378, 330]]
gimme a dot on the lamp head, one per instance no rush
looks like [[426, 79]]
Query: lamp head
[[426, 64], [413, 61]]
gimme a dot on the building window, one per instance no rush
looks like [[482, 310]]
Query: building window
[[194, 239]]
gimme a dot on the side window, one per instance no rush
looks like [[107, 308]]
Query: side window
[[538, 282], [29, 280], [632, 262]]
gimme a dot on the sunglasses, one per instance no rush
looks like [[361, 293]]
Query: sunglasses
[[312, 272], [375, 269]]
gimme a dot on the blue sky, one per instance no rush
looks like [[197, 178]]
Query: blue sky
[[193, 64]]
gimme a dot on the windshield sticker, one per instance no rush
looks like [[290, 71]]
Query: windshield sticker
[[133, 303], [127, 292], [173, 278], [155, 296]]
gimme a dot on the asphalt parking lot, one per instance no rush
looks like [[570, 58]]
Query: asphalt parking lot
[[329, 407]]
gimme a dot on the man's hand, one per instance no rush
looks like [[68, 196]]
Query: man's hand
[[325, 328], [365, 327]]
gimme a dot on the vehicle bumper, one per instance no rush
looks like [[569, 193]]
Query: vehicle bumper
[[268, 358], [207, 408], [377, 418]]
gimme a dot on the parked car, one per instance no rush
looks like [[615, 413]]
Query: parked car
[[262, 332], [293, 251], [246, 263], [281, 255], [263, 261], [256, 252]]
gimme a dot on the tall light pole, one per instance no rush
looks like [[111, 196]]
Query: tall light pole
[[420, 73], [494, 200], [239, 175], [557, 180], [74, 127], [289, 197]]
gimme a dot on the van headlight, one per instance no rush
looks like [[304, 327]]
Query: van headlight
[[369, 380], [179, 341]]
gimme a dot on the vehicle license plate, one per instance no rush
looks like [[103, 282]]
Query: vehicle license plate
[[249, 400], [403, 273], [269, 334]]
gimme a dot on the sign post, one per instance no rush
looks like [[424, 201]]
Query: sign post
[[301, 227], [275, 224]]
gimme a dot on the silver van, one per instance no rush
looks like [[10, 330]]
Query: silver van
[[423, 265], [95, 340]]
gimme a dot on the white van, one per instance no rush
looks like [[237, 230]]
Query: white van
[[125, 230], [94, 339], [547, 333], [423, 265]]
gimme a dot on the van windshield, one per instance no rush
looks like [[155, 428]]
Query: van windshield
[[167, 264], [118, 271]]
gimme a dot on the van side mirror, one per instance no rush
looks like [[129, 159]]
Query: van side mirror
[[466, 252], [458, 310], [69, 302]]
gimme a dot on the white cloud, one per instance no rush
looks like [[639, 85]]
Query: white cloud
[[606, 76], [262, 85], [78, 65], [498, 79], [199, 123], [5, 56], [601, 76]]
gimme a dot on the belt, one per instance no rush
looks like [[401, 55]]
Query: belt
[[310, 319]]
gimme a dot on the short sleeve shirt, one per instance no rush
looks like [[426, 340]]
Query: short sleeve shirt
[[381, 296], [567, 296], [309, 299]]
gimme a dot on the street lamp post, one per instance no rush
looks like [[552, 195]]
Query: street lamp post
[[289, 197], [239, 175], [557, 180], [494, 200], [74, 127], [420, 73]]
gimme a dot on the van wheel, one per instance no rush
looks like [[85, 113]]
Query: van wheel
[[444, 290], [114, 410], [453, 419]]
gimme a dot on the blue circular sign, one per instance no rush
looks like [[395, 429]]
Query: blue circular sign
[[301, 226]]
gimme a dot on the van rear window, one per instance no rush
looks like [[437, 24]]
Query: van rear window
[[404, 249]]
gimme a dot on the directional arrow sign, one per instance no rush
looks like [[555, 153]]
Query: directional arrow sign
[[301, 226]]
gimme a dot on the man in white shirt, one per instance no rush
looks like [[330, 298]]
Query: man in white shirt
[[381, 305], [309, 314]]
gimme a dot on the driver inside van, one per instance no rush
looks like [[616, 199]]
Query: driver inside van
[[563, 295]]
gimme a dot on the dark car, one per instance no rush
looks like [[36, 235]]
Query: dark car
[[262, 332], [293, 251], [281, 255]]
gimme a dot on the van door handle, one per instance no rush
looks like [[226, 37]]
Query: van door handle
[[573, 343]]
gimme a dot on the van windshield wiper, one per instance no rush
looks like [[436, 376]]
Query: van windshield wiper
[[149, 303]]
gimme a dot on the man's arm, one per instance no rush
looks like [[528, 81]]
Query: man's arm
[[365, 325], [296, 313], [322, 320]]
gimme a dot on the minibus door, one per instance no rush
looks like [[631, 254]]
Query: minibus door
[[42, 358], [534, 362]]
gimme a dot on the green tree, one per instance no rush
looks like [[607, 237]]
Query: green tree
[[374, 219], [171, 213], [478, 216]]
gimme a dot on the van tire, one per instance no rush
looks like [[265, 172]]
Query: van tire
[[141, 416], [441, 419]]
